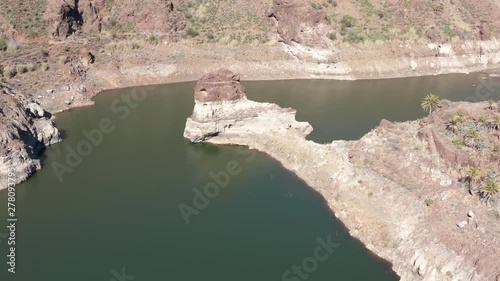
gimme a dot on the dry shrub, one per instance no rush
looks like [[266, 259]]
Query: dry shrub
[[20, 69], [12, 45], [122, 46], [10, 71], [44, 67], [62, 60]]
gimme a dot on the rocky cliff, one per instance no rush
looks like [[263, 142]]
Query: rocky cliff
[[304, 30], [222, 112], [65, 18], [25, 129], [393, 189]]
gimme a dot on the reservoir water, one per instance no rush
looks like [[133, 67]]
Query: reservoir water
[[114, 214]]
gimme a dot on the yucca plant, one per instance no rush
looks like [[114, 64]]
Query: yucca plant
[[471, 138], [452, 125], [490, 104], [496, 124], [430, 102], [472, 175], [490, 191]]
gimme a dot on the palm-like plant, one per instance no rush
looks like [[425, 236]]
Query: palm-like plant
[[452, 125], [490, 104], [496, 124], [471, 137], [489, 191], [492, 122], [429, 102], [471, 175]]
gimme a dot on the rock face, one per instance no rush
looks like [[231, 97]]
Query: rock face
[[304, 30], [67, 17], [297, 21], [25, 129], [223, 112]]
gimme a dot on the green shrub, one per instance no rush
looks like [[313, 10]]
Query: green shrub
[[348, 22], [354, 36], [44, 53], [191, 32], [3, 44], [447, 30], [332, 36], [315, 5], [152, 39]]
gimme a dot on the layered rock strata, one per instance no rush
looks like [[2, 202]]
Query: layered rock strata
[[222, 112]]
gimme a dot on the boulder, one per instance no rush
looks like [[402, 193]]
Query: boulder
[[86, 57], [413, 65], [35, 110], [223, 85]]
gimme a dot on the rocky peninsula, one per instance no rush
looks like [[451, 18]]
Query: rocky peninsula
[[25, 130], [402, 189]]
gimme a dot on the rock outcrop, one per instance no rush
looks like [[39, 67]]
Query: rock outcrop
[[222, 112], [304, 30], [25, 129], [392, 189], [67, 17], [296, 21], [86, 57]]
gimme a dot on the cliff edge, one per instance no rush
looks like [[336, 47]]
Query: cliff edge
[[25, 129]]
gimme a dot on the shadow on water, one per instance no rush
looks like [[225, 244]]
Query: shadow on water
[[64, 133]]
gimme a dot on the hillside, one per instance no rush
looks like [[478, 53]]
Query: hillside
[[242, 22], [49, 46]]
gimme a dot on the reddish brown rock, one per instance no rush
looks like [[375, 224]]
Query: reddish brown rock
[[86, 57], [223, 85], [445, 148], [64, 18], [297, 21]]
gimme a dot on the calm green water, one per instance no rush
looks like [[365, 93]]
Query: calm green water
[[119, 208]]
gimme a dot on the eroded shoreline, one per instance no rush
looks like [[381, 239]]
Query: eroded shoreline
[[378, 205]]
